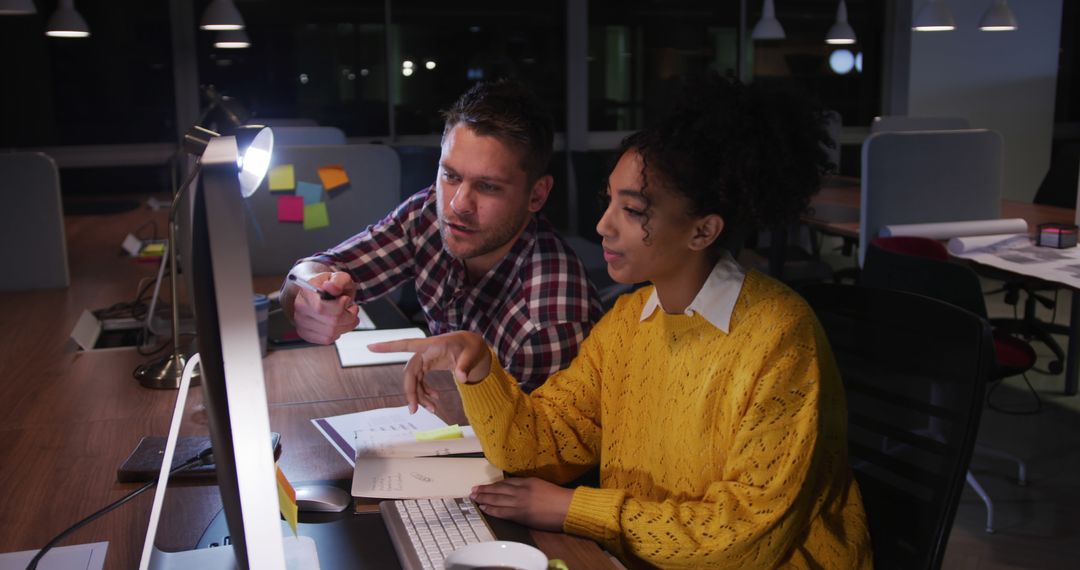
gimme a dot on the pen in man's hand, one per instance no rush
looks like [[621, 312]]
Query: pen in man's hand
[[325, 296]]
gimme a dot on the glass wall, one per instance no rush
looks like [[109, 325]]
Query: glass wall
[[111, 88]]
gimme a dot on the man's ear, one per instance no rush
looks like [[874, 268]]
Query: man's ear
[[539, 192], [706, 231]]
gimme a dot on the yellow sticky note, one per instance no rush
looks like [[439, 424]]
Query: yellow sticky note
[[316, 216], [333, 176], [448, 432], [282, 178], [286, 497], [153, 249]]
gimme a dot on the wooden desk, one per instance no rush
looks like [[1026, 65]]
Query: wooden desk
[[835, 211], [68, 419]]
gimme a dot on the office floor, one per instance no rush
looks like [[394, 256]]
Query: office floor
[[1038, 525]]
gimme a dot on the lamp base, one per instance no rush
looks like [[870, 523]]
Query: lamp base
[[163, 374]]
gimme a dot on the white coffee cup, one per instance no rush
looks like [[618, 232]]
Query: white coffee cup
[[497, 555]]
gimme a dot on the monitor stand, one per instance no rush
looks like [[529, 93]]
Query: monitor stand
[[299, 555]]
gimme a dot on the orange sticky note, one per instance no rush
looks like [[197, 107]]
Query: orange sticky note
[[333, 176], [286, 497]]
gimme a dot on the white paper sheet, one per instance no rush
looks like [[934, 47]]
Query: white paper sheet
[[77, 557], [1023, 257], [986, 244], [421, 477], [345, 431], [352, 346]]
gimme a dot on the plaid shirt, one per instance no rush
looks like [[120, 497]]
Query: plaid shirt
[[534, 307]]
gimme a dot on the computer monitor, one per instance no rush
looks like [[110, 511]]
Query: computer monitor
[[232, 381]]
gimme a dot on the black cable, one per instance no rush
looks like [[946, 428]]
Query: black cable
[[1038, 401], [205, 457]]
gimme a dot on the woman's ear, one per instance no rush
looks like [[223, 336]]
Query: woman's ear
[[707, 230]]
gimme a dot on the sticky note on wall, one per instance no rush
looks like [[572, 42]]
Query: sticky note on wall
[[311, 193], [282, 178], [333, 176], [290, 209], [315, 216]]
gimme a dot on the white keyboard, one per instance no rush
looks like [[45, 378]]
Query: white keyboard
[[425, 531]]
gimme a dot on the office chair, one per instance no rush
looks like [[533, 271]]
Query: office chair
[[922, 266], [1058, 188], [910, 477]]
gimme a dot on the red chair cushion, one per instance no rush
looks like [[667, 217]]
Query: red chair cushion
[[913, 246], [1014, 355]]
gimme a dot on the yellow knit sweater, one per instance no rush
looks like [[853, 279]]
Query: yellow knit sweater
[[715, 450]]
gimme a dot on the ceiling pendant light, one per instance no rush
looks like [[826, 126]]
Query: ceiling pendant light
[[841, 32], [66, 22], [232, 39], [768, 27], [998, 18], [221, 15], [17, 7], [934, 16]]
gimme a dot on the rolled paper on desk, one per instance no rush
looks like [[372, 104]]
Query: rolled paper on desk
[[947, 230], [979, 244]]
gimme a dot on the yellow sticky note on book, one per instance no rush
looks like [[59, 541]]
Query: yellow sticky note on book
[[286, 497], [448, 432]]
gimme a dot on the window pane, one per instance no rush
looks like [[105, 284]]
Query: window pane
[[306, 60], [114, 87], [640, 49], [469, 41]]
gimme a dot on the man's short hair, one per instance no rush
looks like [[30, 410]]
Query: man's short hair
[[507, 110]]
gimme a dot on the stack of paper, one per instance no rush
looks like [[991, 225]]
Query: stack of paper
[[391, 463]]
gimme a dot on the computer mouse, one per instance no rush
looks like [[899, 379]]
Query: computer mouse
[[322, 498]]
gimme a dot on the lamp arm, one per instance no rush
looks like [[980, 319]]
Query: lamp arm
[[173, 293]]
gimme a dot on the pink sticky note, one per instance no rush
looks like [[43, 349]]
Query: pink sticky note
[[290, 209]]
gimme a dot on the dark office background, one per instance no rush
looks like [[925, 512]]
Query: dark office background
[[327, 60]]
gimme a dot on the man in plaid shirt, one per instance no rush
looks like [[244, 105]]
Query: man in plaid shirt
[[481, 255]]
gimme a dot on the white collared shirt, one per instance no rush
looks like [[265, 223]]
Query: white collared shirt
[[716, 299]]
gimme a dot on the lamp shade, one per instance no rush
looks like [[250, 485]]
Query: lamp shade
[[17, 7], [768, 27], [221, 15], [66, 22], [841, 32], [256, 143], [998, 18], [232, 39], [934, 16]]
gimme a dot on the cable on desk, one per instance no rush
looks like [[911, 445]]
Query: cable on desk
[[205, 457]]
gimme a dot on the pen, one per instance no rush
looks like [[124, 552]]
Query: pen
[[322, 294]]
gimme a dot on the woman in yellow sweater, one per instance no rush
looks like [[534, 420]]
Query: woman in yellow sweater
[[710, 401]]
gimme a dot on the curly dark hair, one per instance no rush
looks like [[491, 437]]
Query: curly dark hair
[[507, 110], [754, 156]]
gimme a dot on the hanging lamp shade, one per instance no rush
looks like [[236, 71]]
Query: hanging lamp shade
[[66, 22], [934, 16], [841, 32], [17, 7], [232, 39], [768, 27], [221, 15], [998, 18]]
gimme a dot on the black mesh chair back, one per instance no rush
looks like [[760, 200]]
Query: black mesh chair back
[[914, 371], [941, 279]]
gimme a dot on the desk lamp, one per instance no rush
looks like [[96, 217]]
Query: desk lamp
[[255, 143]]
